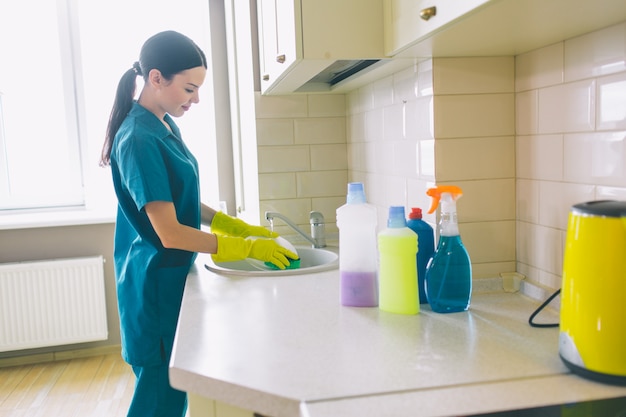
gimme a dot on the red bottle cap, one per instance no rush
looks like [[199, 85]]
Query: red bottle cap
[[416, 213]]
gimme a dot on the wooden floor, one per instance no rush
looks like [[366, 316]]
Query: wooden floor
[[86, 387]]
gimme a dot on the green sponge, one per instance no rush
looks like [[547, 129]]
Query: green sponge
[[293, 264]]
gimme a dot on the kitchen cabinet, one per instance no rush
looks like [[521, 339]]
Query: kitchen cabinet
[[277, 34], [409, 20], [491, 27], [298, 39]]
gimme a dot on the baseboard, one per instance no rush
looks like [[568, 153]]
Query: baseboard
[[59, 356]]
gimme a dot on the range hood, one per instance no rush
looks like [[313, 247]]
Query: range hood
[[335, 73]]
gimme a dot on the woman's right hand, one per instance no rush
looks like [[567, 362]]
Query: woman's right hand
[[267, 250]]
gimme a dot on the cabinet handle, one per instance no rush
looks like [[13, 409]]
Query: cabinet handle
[[428, 12], [280, 58], [266, 77]]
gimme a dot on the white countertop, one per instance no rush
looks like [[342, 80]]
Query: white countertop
[[284, 346]]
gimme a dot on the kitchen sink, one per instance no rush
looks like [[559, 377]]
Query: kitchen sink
[[311, 261]]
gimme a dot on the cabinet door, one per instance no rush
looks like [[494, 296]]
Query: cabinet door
[[266, 10], [407, 21], [278, 35], [286, 34]]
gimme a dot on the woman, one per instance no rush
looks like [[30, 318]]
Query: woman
[[157, 233]]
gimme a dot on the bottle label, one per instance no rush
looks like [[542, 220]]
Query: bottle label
[[359, 289]]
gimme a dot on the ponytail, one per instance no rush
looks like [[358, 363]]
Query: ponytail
[[121, 106]]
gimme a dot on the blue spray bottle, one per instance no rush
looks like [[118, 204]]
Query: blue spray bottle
[[449, 273]]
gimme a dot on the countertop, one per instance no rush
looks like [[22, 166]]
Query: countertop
[[284, 346]]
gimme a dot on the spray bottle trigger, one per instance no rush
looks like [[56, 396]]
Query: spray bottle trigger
[[437, 191], [435, 195]]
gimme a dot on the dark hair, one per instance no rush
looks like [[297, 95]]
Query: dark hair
[[170, 52]]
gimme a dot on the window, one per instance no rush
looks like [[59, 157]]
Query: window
[[40, 149], [58, 77]]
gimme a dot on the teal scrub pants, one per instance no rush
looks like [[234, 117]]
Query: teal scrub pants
[[154, 397]]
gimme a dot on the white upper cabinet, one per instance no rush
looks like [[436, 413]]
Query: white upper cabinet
[[315, 45], [299, 39], [277, 36], [409, 20], [438, 28]]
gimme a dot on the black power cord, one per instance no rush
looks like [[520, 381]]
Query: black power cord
[[541, 307]]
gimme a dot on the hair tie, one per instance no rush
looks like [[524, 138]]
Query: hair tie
[[137, 68]]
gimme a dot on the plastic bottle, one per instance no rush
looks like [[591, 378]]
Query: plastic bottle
[[357, 222], [449, 274], [397, 263], [425, 248]]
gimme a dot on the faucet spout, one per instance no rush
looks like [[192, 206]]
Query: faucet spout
[[318, 240]]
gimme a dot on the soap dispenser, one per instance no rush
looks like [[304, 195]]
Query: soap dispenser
[[449, 273]]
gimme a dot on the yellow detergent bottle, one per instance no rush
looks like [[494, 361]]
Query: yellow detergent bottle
[[397, 274]]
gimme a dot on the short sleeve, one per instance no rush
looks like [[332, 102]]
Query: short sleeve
[[143, 170]]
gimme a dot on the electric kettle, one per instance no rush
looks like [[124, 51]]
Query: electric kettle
[[592, 338]]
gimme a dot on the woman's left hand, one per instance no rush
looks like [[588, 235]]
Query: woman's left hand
[[224, 224]]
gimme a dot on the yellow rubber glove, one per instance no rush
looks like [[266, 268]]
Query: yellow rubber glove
[[236, 248], [223, 224]]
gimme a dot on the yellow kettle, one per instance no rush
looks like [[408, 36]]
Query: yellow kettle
[[592, 338]]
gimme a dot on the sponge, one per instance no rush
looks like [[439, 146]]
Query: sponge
[[293, 264]]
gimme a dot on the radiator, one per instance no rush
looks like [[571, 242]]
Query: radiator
[[51, 303]]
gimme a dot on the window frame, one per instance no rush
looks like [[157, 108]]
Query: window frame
[[69, 41]]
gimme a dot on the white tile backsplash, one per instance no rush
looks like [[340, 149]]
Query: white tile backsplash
[[475, 158], [474, 76], [277, 186], [567, 108], [611, 107], [321, 183], [525, 137], [539, 68], [274, 132], [394, 122], [303, 155], [540, 157], [575, 149], [329, 157], [526, 112], [596, 157], [324, 105], [281, 107], [527, 200], [382, 93], [405, 85], [472, 115], [284, 158], [599, 53], [556, 198], [316, 130]]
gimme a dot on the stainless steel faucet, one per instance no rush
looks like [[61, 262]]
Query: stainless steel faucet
[[318, 228]]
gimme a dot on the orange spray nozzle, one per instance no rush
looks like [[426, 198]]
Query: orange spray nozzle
[[437, 191]]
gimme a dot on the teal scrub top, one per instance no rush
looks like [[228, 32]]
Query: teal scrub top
[[150, 163]]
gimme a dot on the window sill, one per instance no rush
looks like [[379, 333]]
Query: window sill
[[56, 218]]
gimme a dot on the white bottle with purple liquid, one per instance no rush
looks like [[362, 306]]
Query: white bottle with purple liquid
[[356, 221]]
